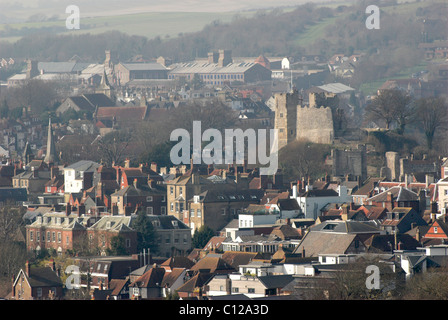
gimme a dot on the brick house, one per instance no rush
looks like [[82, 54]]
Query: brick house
[[218, 206], [397, 196], [151, 198], [37, 283], [105, 229], [60, 231]]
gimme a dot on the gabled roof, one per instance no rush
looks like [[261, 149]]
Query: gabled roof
[[117, 286], [237, 258], [62, 67], [315, 243], [195, 282], [214, 243], [122, 113], [84, 166], [213, 264], [150, 279], [319, 193], [399, 193], [383, 243], [41, 277], [170, 277], [178, 262]]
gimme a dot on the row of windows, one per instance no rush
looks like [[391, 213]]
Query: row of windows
[[214, 76], [51, 237]]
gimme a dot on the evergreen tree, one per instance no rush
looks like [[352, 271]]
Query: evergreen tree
[[202, 235], [146, 233]]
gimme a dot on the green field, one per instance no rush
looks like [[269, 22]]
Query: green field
[[371, 88], [150, 25]]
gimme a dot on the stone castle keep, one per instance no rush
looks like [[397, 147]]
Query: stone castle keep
[[296, 122]]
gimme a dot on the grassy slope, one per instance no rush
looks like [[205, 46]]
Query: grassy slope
[[145, 24]]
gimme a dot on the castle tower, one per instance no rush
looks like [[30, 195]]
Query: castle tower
[[50, 156], [31, 69], [286, 105]]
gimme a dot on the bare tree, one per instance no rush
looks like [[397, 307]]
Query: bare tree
[[391, 106], [113, 146], [303, 159], [432, 115]]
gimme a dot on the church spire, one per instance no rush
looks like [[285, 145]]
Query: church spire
[[50, 156]]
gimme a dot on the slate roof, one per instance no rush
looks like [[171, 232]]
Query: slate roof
[[117, 223], [346, 226], [16, 194], [230, 195], [144, 66], [84, 166], [399, 193], [42, 277], [276, 281], [319, 193], [380, 243], [62, 67], [205, 67], [166, 222]]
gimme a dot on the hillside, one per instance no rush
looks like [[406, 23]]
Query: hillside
[[304, 30]]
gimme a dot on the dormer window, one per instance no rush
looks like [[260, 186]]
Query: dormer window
[[156, 223]]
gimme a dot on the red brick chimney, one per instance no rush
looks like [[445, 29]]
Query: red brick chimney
[[389, 201], [28, 268]]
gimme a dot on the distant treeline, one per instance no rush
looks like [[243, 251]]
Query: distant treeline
[[272, 33]]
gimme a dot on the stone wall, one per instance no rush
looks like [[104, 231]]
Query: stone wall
[[350, 162], [296, 122], [315, 124]]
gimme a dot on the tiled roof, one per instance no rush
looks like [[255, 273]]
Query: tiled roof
[[315, 243], [236, 258], [213, 264], [150, 279], [122, 113], [178, 262], [195, 282], [170, 277]]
